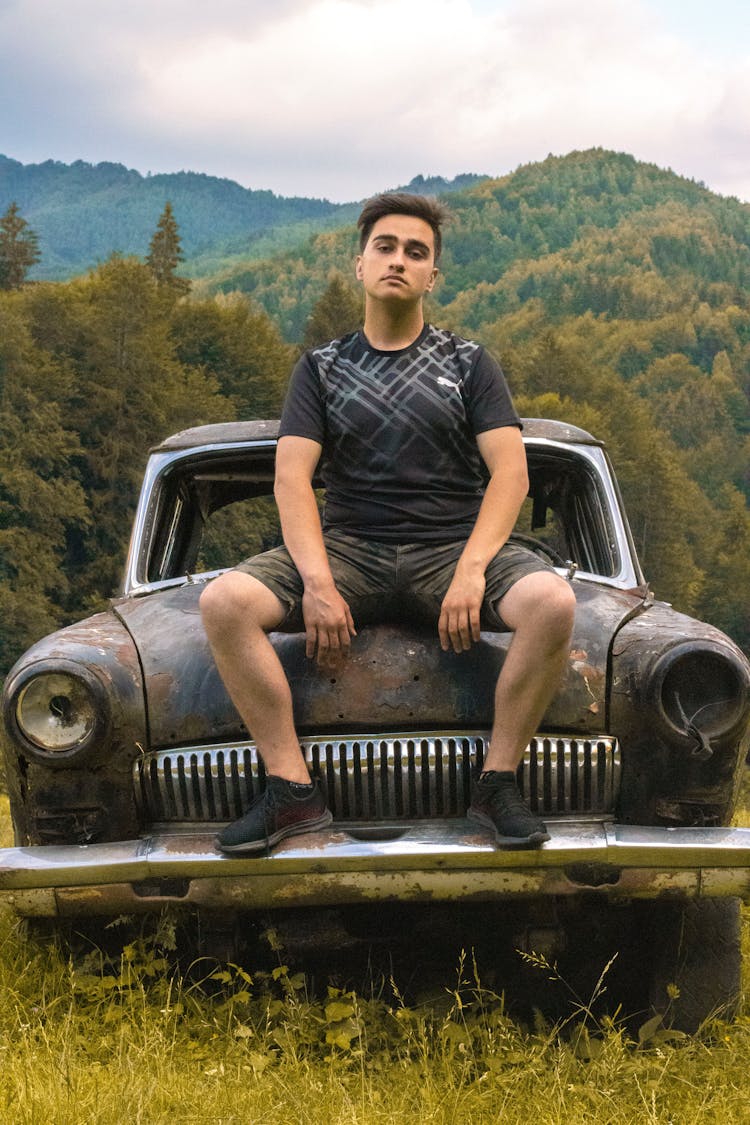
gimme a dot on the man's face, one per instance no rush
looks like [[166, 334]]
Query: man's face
[[398, 260]]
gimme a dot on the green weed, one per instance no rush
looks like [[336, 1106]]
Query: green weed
[[130, 1039]]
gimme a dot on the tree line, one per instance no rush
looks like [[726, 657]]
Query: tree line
[[92, 372]]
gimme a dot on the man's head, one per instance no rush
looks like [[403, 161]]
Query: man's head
[[403, 203]]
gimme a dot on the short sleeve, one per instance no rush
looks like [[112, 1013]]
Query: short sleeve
[[303, 414], [488, 401]]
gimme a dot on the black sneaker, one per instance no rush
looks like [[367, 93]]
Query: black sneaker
[[497, 804], [283, 809]]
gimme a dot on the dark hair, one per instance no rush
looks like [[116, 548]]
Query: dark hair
[[402, 203]]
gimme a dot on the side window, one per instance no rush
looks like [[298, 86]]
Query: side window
[[565, 517], [209, 514], [173, 532]]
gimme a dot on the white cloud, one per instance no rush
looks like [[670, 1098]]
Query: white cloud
[[340, 65], [343, 97]]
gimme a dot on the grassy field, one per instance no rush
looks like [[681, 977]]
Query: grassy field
[[129, 1039]]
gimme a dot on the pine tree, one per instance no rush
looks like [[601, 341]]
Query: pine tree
[[165, 252], [19, 249], [339, 310]]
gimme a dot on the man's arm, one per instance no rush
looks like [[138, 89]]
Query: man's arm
[[504, 455], [328, 621]]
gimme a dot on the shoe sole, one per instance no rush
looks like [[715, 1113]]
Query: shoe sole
[[533, 840], [253, 846]]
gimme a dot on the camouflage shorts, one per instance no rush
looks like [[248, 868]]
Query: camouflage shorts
[[391, 581]]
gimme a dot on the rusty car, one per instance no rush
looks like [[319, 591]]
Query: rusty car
[[124, 753]]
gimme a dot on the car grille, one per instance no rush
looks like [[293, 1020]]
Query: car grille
[[415, 777]]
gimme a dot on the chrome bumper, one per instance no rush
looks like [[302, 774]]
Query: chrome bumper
[[426, 862]]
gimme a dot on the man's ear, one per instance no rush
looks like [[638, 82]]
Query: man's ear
[[358, 267], [433, 279]]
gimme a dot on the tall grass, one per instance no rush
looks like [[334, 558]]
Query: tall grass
[[127, 1038]]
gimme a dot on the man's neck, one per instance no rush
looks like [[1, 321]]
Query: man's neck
[[389, 330]]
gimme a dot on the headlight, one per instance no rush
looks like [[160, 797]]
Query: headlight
[[56, 711], [700, 690], [59, 713]]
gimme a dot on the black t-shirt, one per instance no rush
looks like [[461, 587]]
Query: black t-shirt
[[400, 461]]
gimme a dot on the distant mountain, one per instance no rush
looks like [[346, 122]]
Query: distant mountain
[[83, 212]]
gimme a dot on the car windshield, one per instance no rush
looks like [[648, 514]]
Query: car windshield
[[211, 510]]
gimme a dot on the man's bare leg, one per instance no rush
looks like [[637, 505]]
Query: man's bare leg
[[237, 612], [540, 610]]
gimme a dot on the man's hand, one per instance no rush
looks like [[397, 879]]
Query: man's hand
[[329, 625], [459, 615]]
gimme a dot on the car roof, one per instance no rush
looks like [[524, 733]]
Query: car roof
[[267, 430]]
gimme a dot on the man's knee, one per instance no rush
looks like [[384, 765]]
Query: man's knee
[[219, 599], [544, 602], [554, 609], [559, 605], [235, 600]]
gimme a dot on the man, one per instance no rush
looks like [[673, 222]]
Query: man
[[401, 416]]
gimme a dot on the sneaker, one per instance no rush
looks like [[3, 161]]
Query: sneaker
[[497, 804], [283, 809]]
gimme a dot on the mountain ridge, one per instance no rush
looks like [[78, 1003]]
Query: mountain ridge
[[84, 212]]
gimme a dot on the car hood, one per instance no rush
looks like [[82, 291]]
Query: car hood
[[396, 677]]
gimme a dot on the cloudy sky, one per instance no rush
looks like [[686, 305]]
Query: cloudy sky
[[341, 98]]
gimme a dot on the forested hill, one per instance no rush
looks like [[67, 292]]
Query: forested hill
[[82, 213], [594, 231]]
